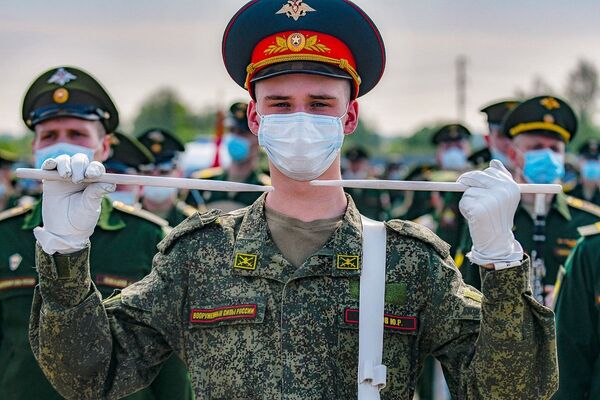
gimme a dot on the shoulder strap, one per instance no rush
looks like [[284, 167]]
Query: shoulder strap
[[140, 212], [15, 211], [583, 205], [371, 371], [589, 230]]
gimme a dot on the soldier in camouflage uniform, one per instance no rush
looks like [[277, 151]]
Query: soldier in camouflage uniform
[[254, 314], [72, 110]]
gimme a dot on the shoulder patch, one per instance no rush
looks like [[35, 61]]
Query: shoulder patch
[[196, 222], [139, 212], [583, 205], [589, 230], [264, 179], [414, 230], [185, 208], [207, 173], [15, 211]]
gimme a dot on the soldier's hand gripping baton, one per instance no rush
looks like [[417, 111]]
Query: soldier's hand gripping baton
[[144, 180], [426, 185]]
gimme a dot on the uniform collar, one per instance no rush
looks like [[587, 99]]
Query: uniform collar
[[560, 204], [108, 220], [255, 254]]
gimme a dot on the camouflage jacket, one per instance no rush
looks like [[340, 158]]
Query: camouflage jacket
[[251, 326]]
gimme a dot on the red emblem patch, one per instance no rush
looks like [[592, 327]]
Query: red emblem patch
[[210, 315]]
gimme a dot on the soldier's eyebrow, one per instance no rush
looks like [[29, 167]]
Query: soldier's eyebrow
[[322, 97], [277, 97]]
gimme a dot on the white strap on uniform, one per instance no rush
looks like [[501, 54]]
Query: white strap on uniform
[[371, 372]]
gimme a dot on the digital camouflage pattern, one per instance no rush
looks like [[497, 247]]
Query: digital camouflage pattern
[[251, 326]]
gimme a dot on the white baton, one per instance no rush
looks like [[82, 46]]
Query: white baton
[[144, 180], [427, 186]]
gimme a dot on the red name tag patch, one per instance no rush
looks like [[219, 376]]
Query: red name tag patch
[[210, 315], [396, 322]]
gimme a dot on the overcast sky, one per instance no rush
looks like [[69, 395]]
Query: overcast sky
[[135, 46]]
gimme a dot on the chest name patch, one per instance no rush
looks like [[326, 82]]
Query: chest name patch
[[396, 322], [16, 283], [210, 315], [118, 282]]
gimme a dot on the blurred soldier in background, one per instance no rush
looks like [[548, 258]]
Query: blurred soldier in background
[[498, 143], [243, 149], [6, 188], [71, 113], [371, 203], [578, 320], [540, 128], [125, 157], [589, 172], [163, 201]]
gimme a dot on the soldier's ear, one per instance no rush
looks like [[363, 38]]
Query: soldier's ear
[[351, 118], [253, 117]]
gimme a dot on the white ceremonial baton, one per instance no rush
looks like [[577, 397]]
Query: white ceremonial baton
[[426, 185], [144, 180]]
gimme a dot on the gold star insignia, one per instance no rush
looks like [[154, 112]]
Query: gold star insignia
[[347, 262], [245, 261], [550, 103]]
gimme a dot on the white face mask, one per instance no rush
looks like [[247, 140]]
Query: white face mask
[[158, 194], [127, 197], [300, 145]]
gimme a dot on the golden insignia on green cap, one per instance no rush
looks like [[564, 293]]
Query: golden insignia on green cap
[[245, 261], [295, 9], [62, 77], [347, 262], [60, 96], [550, 103], [156, 148]]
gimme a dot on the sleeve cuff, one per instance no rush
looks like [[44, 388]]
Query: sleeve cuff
[[509, 283]]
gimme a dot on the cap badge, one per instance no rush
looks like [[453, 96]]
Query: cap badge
[[60, 95], [14, 261], [296, 42], [550, 103], [295, 9], [62, 77]]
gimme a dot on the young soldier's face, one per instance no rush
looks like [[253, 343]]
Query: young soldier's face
[[313, 94], [76, 131], [524, 143]]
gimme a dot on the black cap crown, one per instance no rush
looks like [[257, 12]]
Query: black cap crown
[[68, 92], [450, 133], [542, 115], [163, 145]]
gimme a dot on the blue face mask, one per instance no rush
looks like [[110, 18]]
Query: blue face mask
[[500, 156], [454, 159], [58, 149], [238, 148], [125, 196], [543, 166], [2, 190], [590, 170]]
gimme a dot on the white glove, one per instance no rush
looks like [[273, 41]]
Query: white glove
[[489, 205], [70, 208]]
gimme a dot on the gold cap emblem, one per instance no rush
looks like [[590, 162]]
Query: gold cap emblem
[[60, 95], [550, 103]]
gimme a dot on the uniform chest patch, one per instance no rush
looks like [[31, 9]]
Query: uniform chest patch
[[14, 261], [211, 315], [245, 261], [17, 283], [395, 322], [347, 262]]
